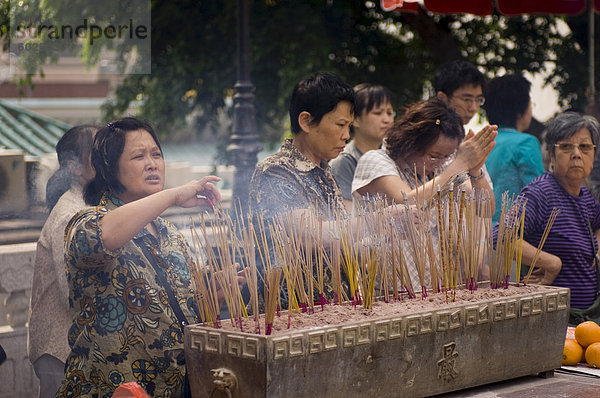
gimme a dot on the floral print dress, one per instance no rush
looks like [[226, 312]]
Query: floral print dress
[[123, 326]]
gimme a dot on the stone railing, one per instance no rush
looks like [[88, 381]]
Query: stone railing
[[17, 378]]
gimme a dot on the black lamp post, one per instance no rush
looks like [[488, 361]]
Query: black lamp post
[[244, 141]]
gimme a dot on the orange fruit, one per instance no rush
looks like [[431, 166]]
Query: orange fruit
[[592, 355], [587, 332], [572, 353]]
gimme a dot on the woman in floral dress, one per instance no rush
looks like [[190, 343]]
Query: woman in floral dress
[[128, 270]]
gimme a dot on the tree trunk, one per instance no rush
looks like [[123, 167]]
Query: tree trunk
[[435, 35]]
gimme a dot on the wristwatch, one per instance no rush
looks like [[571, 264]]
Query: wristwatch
[[475, 178]]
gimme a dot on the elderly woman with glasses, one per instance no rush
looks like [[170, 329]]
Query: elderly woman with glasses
[[427, 140], [569, 252]]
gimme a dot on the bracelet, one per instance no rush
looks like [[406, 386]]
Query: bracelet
[[475, 178]]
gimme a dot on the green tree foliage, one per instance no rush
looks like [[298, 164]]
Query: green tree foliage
[[194, 60], [194, 63], [41, 31]]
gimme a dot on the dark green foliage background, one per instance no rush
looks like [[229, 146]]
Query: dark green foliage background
[[194, 52]]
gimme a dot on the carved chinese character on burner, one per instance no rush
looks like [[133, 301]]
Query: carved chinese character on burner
[[446, 369]]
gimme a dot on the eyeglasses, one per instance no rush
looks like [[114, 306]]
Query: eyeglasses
[[568, 147], [472, 100], [438, 159]]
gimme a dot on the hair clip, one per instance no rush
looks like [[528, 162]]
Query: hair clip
[[110, 126], [437, 122]]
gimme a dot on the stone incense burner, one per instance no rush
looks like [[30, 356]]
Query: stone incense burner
[[415, 353]]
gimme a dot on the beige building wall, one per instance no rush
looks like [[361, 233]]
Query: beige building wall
[[70, 91]]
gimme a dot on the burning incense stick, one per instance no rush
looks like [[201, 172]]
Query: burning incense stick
[[459, 227], [520, 244], [206, 287], [320, 262], [287, 257], [503, 249], [368, 271], [349, 257], [334, 266], [394, 263], [211, 202], [442, 239], [551, 219], [247, 247], [272, 282], [450, 243]]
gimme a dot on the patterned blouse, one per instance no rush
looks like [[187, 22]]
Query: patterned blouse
[[123, 326], [288, 180]]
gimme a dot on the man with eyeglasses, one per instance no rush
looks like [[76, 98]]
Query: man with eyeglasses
[[460, 85], [517, 158]]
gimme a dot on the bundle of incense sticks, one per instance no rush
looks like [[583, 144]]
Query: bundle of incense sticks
[[221, 270], [319, 247], [247, 256], [497, 249], [474, 235], [206, 289], [386, 271], [333, 261], [509, 241], [450, 244], [271, 274], [442, 238], [399, 266], [289, 257], [225, 234], [306, 256], [463, 233], [416, 227], [370, 259], [349, 240], [387, 228], [372, 214], [443, 241]]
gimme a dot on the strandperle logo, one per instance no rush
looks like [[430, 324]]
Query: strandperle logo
[[86, 30], [113, 35]]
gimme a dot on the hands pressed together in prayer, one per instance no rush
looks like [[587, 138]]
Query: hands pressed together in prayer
[[475, 148]]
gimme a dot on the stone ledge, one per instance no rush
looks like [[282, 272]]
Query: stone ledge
[[17, 378], [16, 266]]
